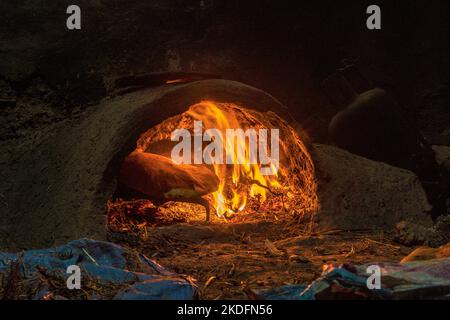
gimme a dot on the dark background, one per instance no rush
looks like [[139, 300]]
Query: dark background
[[49, 74]]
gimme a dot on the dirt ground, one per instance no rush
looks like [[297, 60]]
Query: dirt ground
[[229, 258]]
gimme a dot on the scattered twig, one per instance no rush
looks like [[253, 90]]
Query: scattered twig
[[233, 268], [209, 281], [273, 249], [89, 256], [336, 231], [351, 252], [382, 243]]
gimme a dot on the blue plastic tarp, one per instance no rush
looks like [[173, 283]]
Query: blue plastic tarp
[[428, 279], [136, 276]]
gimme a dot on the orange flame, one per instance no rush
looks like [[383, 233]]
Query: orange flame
[[245, 178]]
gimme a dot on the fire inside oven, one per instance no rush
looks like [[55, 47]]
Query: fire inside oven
[[218, 162]]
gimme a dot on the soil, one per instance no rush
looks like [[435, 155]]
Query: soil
[[230, 258]]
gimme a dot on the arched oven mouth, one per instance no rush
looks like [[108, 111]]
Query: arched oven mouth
[[216, 162]]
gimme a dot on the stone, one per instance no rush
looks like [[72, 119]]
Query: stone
[[358, 193], [413, 233]]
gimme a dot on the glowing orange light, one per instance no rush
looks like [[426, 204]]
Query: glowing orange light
[[176, 81], [231, 196]]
